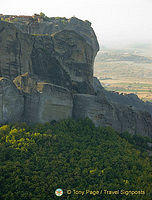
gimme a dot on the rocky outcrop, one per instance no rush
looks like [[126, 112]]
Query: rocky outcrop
[[43, 102], [131, 113], [102, 112], [63, 59], [53, 25], [97, 108], [15, 51], [55, 103], [11, 102], [134, 121], [47, 77], [130, 100]]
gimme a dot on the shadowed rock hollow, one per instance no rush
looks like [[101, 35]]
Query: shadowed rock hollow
[[49, 76]]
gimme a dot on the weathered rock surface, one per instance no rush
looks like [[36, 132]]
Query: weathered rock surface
[[11, 102], [96, 108], [45, 64], [134, 121], [131, 100], [63, 59], [15, 51], [55, 103], [53, 25], [44, 102], [50, 77], [121, 118], [133, 114]]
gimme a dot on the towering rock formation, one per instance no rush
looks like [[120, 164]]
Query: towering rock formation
[[15, 51], [53, 25], [46, 71], [63, 58]]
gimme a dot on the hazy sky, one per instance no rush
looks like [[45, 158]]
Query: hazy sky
[[114, 21]]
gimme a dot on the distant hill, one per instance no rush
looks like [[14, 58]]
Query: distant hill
[[122, 55]]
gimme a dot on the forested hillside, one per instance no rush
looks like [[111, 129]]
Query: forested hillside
[[72, 155]]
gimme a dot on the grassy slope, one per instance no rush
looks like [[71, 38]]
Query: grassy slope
[[34, 161]]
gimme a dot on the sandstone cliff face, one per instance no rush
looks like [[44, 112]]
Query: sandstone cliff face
[[126, 114], [11, 102], [76, 57], [15, 51], [121, 118], [53, 25], [130, 100], [50, 77], [63, 58], [43, 102]]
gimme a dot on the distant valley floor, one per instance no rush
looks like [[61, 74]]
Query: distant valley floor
[[125, 72]]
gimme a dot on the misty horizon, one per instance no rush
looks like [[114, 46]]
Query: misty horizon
[[126, 44]]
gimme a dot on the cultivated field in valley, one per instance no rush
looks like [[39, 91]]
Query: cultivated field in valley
[[125, 71]]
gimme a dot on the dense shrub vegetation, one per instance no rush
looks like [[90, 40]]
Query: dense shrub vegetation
[[72, 155]]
